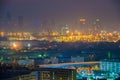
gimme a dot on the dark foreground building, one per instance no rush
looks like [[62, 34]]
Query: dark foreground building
[[40, 74], [57, 74]]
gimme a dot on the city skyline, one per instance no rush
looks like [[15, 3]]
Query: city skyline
[[60, 39], [36, 14]]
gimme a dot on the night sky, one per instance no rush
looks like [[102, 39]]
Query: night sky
[[35, 12]]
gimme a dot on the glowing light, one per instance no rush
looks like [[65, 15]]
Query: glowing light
[[82, 20], [2, 34], [66, 35], [29, 45], [14, 45], [40, 55], [97, 19], [67, 31]]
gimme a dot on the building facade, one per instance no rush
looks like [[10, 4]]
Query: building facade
[[56, 74], [110, 65]]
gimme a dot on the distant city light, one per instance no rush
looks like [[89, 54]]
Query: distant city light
[[14, 45], [97, 19], [67, 32], [40, 55], [66, 35], [29, 45]]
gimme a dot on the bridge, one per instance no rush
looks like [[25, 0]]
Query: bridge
[[70, 65]]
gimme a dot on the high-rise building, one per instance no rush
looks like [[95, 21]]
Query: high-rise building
[[110, 65], [97, 26], [76, 27], [83, 25], [7, 21], [45, 25], [1, 21], [9, 17], [20, 22], [65, 30]]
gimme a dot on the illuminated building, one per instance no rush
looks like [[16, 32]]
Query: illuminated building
[[56, 74], [30, 76], [2, 34], [83, 20], [65, 30], [97, 26], [64, 36], [41, 74], [83, 24], [110, 65], [26, 62]]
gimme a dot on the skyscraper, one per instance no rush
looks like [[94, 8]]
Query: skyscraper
[[83, 25], [20, 22], [44, 25], [65, 30], [52, 25], [97, 26], [8, 20], [9, 17], [0, 23]]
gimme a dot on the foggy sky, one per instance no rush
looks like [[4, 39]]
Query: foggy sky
[[63, 11]]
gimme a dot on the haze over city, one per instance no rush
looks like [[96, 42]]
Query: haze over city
[[41, 14], [59, 39]]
